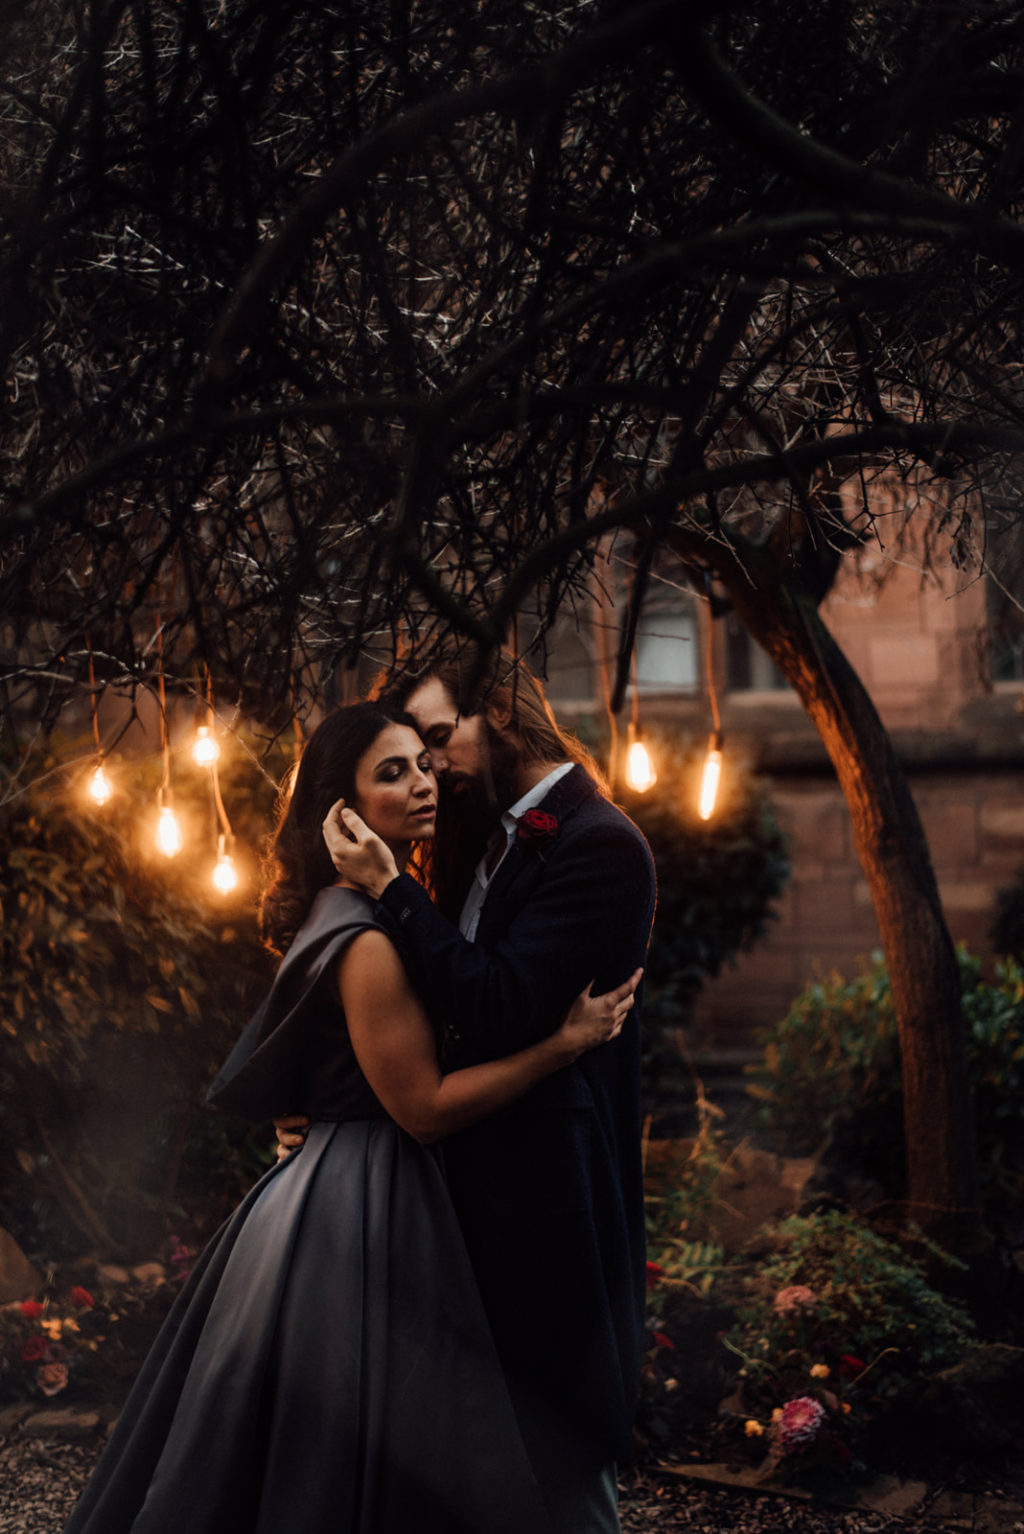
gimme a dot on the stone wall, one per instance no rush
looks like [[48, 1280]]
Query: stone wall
[[974, 822]]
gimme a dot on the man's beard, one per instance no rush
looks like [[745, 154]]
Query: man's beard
[[468, 808], [466, 814]]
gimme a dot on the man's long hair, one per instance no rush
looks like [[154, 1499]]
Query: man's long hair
[[520, 726]]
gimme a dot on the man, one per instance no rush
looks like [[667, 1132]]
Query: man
[[549, 1191]]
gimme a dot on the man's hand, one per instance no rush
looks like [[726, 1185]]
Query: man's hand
[[291, 1133], [357, 853]]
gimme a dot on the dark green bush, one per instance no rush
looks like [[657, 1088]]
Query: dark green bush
[[837, 1299], [835, 1058], [717, 881], [1008, 924], [121, 989]]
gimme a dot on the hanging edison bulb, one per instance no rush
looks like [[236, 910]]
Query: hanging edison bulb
[[100, 788], [168, 831], [640, 773], [711, 776], [225, 874], [205, 750]]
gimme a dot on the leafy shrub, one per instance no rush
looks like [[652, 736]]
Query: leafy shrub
[[119, 995], [835, 1290], [716, 884], [1008, 924], [838, 1320], [835, 1057]]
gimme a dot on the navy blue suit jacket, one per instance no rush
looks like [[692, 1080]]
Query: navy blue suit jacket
[[549, 1191]]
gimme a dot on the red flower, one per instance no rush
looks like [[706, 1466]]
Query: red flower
[[654, 1272], [33, 1349], [849, 1366], [661, 1341], [82, 1298], [535, 828], [31, 1308]]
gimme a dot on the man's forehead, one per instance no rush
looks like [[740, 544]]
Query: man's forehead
[[432, 703]]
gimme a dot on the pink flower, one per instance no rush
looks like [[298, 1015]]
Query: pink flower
[[796, 1297], [31, 1308], [180, 1256], [52, 1378], [81, 1298], [799, 1423]]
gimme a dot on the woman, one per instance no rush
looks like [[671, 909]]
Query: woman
[[328, 1365]]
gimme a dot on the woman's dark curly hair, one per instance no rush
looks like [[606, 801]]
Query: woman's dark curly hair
[[298, 865]]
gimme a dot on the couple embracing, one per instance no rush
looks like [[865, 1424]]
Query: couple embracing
[[428, 1320]]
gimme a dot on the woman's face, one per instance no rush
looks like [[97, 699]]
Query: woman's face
[[396, 792]]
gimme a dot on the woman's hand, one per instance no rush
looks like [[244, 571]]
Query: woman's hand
[[357, 853], [593, 1020], [291, 1133]]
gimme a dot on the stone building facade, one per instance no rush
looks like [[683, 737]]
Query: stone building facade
[[948, 681]]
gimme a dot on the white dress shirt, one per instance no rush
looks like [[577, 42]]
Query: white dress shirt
[[469, 920]]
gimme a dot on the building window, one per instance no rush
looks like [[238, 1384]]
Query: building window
[[668, 645], [748, 668]]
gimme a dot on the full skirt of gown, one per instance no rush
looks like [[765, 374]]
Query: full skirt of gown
[[328, 1367]]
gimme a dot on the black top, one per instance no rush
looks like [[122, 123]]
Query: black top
[[296, 1056]]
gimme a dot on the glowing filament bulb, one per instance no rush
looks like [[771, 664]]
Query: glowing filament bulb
[[640, 773], [100, 788], [225, 874], [710, 777], [168, 832], [205, 750]]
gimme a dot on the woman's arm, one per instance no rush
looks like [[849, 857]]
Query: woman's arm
[[397, 1050]]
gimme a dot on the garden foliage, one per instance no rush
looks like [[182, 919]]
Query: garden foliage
[[717, 881], [120, 992], [836, 1322], [834, 1060], [1008, 923]]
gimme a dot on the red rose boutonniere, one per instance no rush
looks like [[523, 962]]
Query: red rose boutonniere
[[535, 830]]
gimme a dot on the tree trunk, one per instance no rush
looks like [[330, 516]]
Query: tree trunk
[[940, 1141]]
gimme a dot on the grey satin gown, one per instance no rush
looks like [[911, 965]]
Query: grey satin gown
[[328, 1366]]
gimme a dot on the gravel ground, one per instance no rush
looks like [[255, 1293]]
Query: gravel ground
[[39, 1482]]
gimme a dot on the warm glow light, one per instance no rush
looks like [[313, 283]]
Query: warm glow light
[[640, 774], [100, 787], [168, 832], [225, 874], [709, 781], [205, 750]]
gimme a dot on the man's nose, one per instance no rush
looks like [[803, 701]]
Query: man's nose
[[438, 763]]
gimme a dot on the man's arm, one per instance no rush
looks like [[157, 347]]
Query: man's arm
[[589, 914]]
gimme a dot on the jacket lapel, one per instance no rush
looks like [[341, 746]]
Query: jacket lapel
[[522, 866]]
